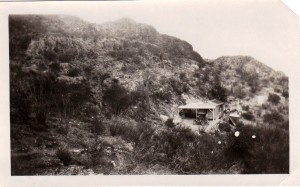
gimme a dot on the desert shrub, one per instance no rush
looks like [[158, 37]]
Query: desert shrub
[[191, 154], [254, 84], [267, 153], [24, 109], [217, 91], [273, 118], [176, 85], [239, 124], [31, 93], [32, 164], [63, 129], [130, 68], [224, 127], [274, 98], [185, 133], [74, 72], [71, 97], [98, 127], [141, 111], [90, 110], [285, 94], [50, 55], [101, 163], [163, 95], [278, 90], [248, 116], [127, 132], [175, 139], [67, 56], [64, 155], [144, 132], [41, 114], [283, 81], [55, 67], [186, 88], [246, 107], [265, 106], [240, 93], [183, 77], [136, 60], [284, 125], [123, 54], [169, 123], [118, 98]]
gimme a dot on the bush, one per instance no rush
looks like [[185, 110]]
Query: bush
[[67, 56], [273, 117], [177, 86], [274, 98], [74, 72], [248, 116], [218, 92], [246, 107], [127, 132], [285, 94], [240, 93], [64, 155], [225, 127], [239, 124], [163, 95], [267, 153], [64, 129], [41, 114], [188, 153], [90, 110], [277, 90], [183, 77], [118, 98], [169, 123], [24, 109], [50, 55], [55, 67], [136, 60], [98, 127]]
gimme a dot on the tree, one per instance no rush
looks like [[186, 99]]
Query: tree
[[118, 98], [218, 91]]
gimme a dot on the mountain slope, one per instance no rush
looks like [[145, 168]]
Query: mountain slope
[[88, 98]]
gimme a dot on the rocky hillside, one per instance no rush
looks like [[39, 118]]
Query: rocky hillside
[[87, 98], [243, 76]]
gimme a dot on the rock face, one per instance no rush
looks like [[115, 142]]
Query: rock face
[[246, 64]]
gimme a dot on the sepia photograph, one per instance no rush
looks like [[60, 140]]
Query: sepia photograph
[[151, 88]]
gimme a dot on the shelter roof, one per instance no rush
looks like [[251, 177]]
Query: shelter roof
[[198, 105]]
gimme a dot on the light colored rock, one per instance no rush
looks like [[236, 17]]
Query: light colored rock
[[164, 117]]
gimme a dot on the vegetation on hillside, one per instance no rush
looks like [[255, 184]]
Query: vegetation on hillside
[[87, 99]]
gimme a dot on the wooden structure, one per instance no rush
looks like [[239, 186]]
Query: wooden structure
[[234, 118], [212, 109]]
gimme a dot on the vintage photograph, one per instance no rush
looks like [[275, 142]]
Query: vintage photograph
[[143, 90]]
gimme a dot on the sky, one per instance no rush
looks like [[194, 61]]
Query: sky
[[264, 29], [215, 28]]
